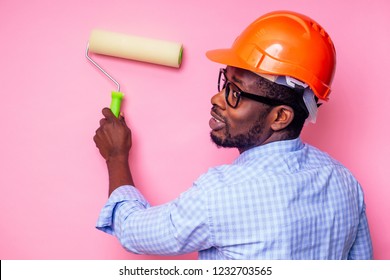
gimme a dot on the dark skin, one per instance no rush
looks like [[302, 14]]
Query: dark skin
[[247, 113], [113, 137]]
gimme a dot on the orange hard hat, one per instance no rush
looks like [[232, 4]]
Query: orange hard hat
[[284, 43]]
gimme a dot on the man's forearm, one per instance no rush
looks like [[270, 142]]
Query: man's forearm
[[119, 173]]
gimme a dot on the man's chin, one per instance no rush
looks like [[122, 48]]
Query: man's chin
[[216, 140], [221, 143], [239, 142]]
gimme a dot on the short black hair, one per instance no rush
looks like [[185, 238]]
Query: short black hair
[[292, 97]]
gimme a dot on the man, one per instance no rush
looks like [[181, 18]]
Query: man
[[281, 198]]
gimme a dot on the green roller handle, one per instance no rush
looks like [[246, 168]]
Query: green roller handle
[[116, 100]]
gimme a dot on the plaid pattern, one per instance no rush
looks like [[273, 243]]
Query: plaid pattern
[[283, 200]]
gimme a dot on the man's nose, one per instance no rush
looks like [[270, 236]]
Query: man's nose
[[219, 100]]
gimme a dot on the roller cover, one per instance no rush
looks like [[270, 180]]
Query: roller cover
[[136, 48]]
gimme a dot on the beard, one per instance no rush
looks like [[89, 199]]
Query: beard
[[240, 141]]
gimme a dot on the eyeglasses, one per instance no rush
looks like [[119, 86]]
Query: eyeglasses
[[233, 94]]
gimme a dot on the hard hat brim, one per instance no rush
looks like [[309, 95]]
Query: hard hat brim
[[230, 58]]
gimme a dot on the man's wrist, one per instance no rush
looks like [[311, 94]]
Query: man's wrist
[[117, 159]]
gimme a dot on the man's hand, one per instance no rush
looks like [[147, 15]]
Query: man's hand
[[113, 139]]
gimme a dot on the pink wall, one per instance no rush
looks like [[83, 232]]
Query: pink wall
[[53, 181]]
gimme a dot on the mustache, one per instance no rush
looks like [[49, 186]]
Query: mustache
[[215, 110]]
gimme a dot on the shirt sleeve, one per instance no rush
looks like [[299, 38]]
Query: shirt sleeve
[[362, 247], [178, 227]]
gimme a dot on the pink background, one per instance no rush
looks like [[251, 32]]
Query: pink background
[[53, 181]]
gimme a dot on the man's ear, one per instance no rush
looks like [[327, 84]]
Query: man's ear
[[282, 116]]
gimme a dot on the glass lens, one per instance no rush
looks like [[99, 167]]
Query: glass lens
[[232, 95], [221, 80]]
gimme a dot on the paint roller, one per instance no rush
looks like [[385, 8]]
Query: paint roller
[[149, 50]]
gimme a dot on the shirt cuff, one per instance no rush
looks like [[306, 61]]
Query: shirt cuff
[[121, 195]]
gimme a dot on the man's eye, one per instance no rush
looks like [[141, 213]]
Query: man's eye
[[235, 94]]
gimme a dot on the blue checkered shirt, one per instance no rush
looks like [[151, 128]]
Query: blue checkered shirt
[[283, 200]]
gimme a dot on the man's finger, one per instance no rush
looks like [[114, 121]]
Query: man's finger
[[103, 121], [122, 118], [107, 113]]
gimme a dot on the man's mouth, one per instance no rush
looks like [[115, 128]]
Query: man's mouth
[[216, 122]]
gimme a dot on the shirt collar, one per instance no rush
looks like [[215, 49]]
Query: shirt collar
[[277, 147]]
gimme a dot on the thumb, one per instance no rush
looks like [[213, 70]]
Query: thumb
[[107, 113]]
